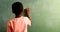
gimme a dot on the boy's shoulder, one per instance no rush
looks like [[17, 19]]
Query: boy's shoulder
[[26, 17], [15, 19], [11, 20]]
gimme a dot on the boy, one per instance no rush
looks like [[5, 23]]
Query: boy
[[19, 23]]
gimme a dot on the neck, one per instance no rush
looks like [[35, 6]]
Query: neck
[[17, 16]]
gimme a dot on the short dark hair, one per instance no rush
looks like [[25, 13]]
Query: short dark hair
[[17, 8]]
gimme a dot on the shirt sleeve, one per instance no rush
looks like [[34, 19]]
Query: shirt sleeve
[[28, 22], [8, 27]]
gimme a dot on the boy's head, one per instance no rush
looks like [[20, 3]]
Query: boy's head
[[17, 8]]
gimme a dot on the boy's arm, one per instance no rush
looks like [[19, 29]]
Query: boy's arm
[[27, 10], [28, 21], [8, 27], [27, 14]]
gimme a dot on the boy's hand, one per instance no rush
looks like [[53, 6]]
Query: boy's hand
[[27, 10]]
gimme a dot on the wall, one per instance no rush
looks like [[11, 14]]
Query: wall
[[45, 14]]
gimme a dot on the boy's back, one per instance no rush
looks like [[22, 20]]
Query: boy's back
[[18, 24]]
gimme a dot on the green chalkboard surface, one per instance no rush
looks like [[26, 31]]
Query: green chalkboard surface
[[45, 14]]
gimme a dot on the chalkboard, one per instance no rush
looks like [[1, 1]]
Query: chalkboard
[[45, 14]]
